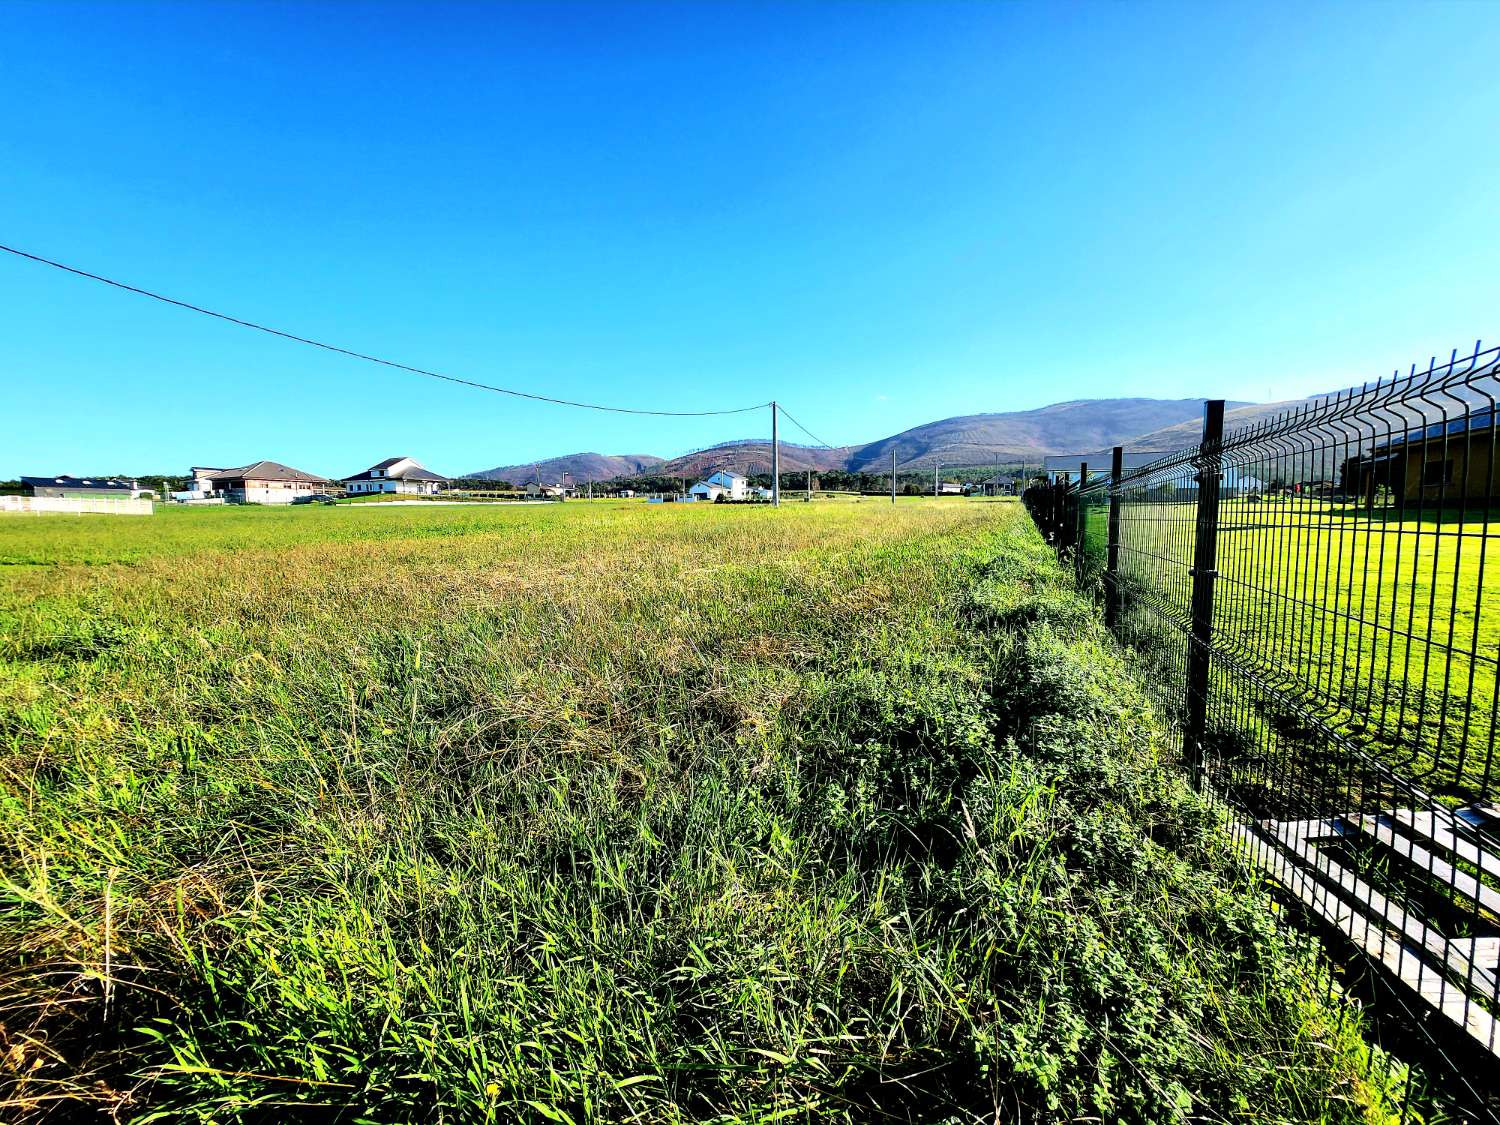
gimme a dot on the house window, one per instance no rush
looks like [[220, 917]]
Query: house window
[[1436, 473]]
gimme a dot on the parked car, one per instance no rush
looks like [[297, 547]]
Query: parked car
[[315, 498]]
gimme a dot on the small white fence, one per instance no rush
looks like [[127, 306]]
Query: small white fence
[[100, 505]]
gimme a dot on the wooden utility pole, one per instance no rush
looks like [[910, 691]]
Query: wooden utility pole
[[893, 474], [775, 460]]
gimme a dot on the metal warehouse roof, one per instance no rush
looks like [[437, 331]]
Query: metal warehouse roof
[[66, 481], [1482, 419]]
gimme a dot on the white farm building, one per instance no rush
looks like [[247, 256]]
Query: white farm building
[[730, 486]]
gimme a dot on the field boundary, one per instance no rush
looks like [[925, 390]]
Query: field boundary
[[1308, 595], [77, 505]]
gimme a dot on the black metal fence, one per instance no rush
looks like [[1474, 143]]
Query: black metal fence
[[1315, 597]]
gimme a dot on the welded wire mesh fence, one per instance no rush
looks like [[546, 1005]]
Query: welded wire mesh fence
[[1315, 598]]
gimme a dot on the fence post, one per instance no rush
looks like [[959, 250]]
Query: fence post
[[1204, 571], [1080, 524], [1112, 592], [1062, 513]]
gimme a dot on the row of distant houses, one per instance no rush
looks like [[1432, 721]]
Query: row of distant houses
[[260, 482], [270, 482]]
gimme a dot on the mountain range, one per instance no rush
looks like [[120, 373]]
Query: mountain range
[[1079, 426]]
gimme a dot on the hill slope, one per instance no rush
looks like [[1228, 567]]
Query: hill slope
[[1180, 435], [1065, 427], [975, 439], [580, 467], [753, 455]]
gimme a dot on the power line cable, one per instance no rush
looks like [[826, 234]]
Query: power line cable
[[370, 358], [805, 430]]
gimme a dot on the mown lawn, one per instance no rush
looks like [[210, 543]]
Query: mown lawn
[[608, 812], [1384, 624]]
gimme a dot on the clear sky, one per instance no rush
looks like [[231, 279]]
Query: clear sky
[[881, 214]]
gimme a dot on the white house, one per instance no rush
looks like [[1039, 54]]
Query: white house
[[403, 475], [731, 486], [537, 490]]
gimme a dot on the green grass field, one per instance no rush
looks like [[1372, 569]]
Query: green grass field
[[1387, 625], [614, 812]]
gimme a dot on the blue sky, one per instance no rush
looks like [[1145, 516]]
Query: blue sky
[[881, 214]]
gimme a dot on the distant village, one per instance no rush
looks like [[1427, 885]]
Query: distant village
[[396, 479]]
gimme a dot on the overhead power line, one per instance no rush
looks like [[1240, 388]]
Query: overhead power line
[[371, 358], [804, 429]]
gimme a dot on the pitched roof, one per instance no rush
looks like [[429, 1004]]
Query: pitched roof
[[269, 470], [415, 472], [66, 481]]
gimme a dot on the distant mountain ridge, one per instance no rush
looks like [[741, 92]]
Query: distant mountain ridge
[[1237, 415], [579, 467], [1081, 425], [1064, 427]]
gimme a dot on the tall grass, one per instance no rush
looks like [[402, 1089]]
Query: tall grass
[[606, 813]]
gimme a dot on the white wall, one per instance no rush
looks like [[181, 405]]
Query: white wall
[[260, 494], [100, 505]]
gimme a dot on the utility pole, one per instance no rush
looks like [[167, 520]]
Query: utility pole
[[809, 484], [775, 461], [935, 466], [893, 474]]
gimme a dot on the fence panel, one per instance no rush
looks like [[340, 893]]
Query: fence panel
[[1315, 596], [78, 505]]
